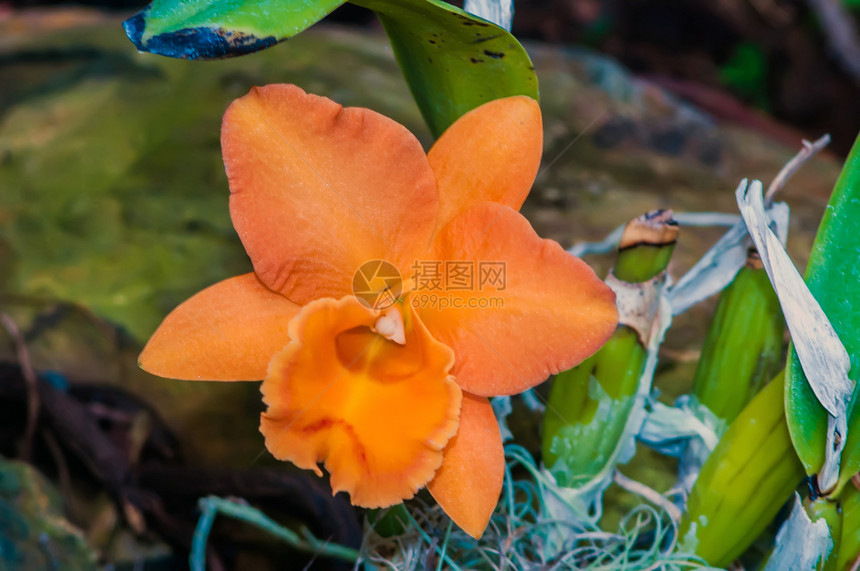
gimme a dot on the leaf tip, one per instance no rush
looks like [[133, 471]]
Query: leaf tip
[[197, 43], [134, 29]]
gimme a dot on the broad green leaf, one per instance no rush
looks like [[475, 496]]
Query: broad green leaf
[[202, 29], [452, 60], [833, 277]]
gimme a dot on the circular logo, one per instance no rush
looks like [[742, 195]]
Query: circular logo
[[377, 284]]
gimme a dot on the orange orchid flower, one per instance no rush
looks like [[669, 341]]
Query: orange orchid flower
[[391, 396]]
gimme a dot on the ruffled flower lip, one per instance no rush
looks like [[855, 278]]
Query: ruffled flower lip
[[376, 412]]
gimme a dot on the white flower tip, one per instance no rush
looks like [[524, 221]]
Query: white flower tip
[[390, 326]]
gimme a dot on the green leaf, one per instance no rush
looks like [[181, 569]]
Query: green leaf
[[833, 277], [452, 60], [202, 29]]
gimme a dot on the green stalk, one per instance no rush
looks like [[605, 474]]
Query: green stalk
[[849, 545], [743, 345], [646, 247], [746, 479], [586, 422]]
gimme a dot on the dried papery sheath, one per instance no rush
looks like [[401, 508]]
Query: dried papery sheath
[[801, 544], [637, 304], [706, 219], [822, 356], [687, 430], [499, 12], [718, 267]]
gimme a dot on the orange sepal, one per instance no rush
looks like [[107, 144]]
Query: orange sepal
[[377, 413], [492, 153], [469, 483], [550, 313], [318, 189], [227, 332]]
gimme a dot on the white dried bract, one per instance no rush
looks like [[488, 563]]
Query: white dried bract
[[499, 12], [718, 267], [821, 354], [800, 543], [637, 303]]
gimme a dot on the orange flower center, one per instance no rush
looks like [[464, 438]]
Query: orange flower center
[[344, 393]]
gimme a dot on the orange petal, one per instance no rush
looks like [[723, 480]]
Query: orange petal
[[547, 314], [376, 412], [227, 332], [492, 153], [318, 189], [469, 483]]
